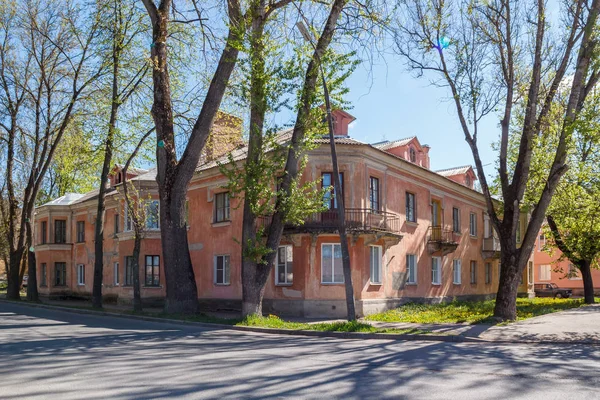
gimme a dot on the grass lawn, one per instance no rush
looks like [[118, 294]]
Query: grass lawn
[[472, 312], [273, 321]]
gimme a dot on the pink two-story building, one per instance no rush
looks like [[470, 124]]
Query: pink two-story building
[[416, 235]]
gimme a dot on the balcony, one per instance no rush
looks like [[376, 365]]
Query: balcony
[[358, 221], [440, 240], [491, 248]]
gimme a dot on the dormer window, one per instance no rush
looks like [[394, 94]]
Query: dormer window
[[119, 177], [468, 181], [412, 154]]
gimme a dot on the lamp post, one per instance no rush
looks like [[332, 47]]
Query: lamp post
[[339, 198]]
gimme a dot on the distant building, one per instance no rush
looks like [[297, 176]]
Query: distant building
[[415, 234]]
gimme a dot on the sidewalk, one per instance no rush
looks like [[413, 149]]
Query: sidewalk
[[575, 326]]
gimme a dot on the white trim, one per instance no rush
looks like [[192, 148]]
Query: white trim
[[333, 281], [438, 271], [414, 268], [80, 274], [456, 263], [379, 266], [116, 278], [226, 270], [288, 262]]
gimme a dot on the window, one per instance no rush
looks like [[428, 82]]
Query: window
[[44, 275], [542, 242], [331, 264], [329, 199], [80, 274], [436, 276], [374, 194], [411, 269], [487, 227], [222, 207], [488, 273], [375, 264], [456, 272], [80, 231], [152, 271], [519, 232], [530, 273], [411, 212], [60, 274], [152, 214], [222, 270], [473, 272], [473, 224], [44, 232], [545, 272], [573, 273], [117, 222], [468, 180], [412, 154], [116, 273], [455, 220], [285, 267], [129, 271], [128, 221], [60, 231]]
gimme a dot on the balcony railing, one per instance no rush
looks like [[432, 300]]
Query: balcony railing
[[491, 244], [357, 220], [437, 234]]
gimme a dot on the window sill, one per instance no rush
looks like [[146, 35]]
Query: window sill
[[412, 223], [222, 284], [376, 283], [332, 283], [457, 283], [436, 284], [411, 284], [81, 284], [284, 284], [221, 223], [151, 287], [473, 236], [457, 233]]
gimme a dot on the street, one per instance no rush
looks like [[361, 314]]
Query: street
[[50, 354]]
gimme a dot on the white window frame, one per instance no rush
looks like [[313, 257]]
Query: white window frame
[[411, 269], [288, 262], [436, 273], [541, 241], [488, 273], [379, 270], [116, 280], [543, 276], [80, 274], [473, 224], [333, 281], [147, 203], [226, 270], [457, 272]]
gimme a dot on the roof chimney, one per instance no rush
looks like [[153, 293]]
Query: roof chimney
[[225, 136]]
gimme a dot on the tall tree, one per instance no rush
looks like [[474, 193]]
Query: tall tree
[[268, 164], [48, 65], [128, 70], [484, 53], [174, 173]]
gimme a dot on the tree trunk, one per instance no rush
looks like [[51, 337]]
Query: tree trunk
[[588, 283], [182, 293], [137, 298], [32, 287], [14, 281], [506, 298], [254, 277]]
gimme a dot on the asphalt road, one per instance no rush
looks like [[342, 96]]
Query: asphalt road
[[50, 354]]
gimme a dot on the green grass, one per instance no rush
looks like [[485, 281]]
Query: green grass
[[472, 312], [273, 321]]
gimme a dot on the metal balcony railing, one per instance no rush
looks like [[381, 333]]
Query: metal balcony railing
[[437, 234], [357, 220]]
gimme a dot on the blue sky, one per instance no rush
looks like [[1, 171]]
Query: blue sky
[[394, 104]]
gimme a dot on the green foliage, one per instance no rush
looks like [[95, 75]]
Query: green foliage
[[471, 312]]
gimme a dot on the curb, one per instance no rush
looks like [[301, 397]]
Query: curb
[[320, 334]]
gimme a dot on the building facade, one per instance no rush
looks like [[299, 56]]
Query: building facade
[[414, 235]]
